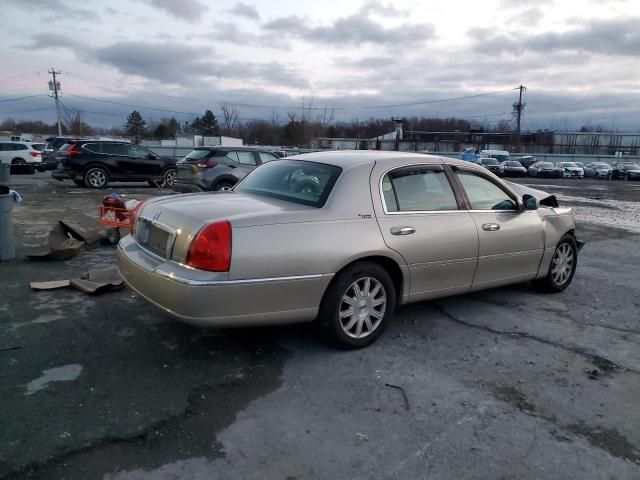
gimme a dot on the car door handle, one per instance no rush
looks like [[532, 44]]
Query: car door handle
[[231, 165], [402, 230], [490, 227]]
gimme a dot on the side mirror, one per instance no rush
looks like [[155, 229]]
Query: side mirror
[[529, 202], [152, 156]]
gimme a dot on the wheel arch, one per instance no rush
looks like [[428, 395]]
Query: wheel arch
[[224, 178], [94, 165], [399, 277]]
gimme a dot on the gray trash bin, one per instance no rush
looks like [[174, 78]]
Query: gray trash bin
[[7, 242], [5, 171]]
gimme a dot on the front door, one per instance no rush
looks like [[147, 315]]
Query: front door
[[511, 240], [424, 221]]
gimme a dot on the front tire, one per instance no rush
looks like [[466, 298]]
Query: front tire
[[357, 306], [562, 268], [96, 177]]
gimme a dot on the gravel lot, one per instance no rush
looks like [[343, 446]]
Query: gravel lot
[[505, 383]]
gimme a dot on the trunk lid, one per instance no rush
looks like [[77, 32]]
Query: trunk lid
[[170, 223]]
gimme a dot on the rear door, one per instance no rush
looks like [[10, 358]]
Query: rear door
[[511, 241], [423, 220], [114, 155]]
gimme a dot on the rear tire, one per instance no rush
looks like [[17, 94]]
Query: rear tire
[[169, 177], [96, 177], [562, 268], [223, 186], [357, 306]]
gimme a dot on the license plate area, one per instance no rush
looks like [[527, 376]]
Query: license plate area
[[155, 237]]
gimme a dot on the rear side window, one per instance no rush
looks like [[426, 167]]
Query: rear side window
[[16, 146], [266, 157], [198, 154], [484, 194], [232, 156], [418, 189], [112, 148], [246, 158]]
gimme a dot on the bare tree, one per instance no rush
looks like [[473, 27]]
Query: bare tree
[[229, 116]]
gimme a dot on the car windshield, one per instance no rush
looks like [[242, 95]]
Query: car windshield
[[489, 161], [501, 158], [600, 165], [568, 164], [295, 181], [544, 165], [632, 166], [513, 164], [65, 146]]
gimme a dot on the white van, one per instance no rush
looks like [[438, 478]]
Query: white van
[[500, 155]]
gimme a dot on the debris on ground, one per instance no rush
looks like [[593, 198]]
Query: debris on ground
[[65, 241], [94, 282], [404, 394]]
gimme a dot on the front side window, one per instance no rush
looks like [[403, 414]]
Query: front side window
[[137, 151], [302, 182], [484, 194], [418, 189]]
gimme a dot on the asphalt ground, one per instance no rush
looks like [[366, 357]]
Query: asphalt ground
[[500, 384]]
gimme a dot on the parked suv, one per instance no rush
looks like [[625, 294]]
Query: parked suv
[[218, 168], [50, 151], [94, 163], [626, 171], [20, 153]]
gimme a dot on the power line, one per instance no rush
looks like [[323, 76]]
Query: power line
[[298, 107], [22, 98]]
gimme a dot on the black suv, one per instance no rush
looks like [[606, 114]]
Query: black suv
[[218, 168], [94, 163]]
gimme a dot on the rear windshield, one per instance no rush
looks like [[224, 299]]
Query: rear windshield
[[296, 181], [198, 154], [37, 146]]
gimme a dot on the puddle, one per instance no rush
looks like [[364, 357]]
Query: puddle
[[67, 373]]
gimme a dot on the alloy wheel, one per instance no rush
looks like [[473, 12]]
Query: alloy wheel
[[362, 307], [97, 178], [563, 261], [169, 178]]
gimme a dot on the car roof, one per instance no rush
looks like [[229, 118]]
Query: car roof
[[353, 158], [239, 148]]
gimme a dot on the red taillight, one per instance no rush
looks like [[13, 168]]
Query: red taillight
[[134, 217], [211, 248], [35, 154], [206, 163], [72, 151]]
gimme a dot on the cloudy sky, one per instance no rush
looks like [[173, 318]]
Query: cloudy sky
[[580, 59]]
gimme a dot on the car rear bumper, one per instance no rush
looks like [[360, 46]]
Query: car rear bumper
[[219, 303]]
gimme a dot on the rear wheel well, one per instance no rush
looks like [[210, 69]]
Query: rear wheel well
[[392, 268], [96, 165]]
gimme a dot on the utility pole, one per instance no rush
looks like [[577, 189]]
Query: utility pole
[[518, 107], [54, 87]]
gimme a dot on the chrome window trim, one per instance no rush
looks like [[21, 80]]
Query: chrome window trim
[[247, 281], [410, 212]]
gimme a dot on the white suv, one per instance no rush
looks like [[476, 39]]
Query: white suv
[[20, 153]]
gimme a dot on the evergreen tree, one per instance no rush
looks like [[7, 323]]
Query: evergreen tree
[[135, 125], [209, 124]]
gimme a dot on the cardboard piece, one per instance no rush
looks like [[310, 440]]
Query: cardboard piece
[[94, 282], [65, 241]]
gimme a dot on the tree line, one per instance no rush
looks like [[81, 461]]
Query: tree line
[[293, 129]]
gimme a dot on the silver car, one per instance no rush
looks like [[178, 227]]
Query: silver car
[[343, 238]]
